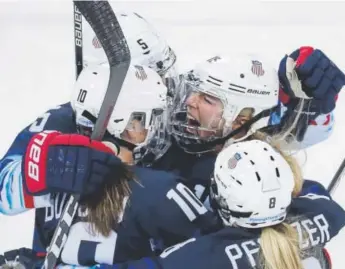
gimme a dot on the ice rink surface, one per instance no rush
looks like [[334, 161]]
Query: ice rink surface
[[37, 65]]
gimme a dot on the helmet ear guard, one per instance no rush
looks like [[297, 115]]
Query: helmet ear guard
[[219, 203]]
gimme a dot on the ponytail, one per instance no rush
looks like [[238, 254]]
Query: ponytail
[[279, 247], [279, 244], [106, 207]]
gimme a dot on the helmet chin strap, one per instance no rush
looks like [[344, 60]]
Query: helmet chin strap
[[245, 127], [209, 146], [118, 142]]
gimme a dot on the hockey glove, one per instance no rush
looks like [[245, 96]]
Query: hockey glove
[[69, 163], [308, 74], [22, 258]]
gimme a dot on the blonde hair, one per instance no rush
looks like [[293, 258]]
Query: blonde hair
[[279, 244], [247, 112], [105, 208], [278, 145], [279, 247]]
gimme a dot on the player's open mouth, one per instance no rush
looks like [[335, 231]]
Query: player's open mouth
[[193, 122]]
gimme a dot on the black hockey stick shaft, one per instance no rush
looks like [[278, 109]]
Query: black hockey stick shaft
[[337, 177], [78, 39], [104, 23], [78, 50]]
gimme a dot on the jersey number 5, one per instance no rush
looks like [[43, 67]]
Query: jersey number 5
[[187, 201], [142, 44]]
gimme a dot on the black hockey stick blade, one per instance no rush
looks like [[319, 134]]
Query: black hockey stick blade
[[104, 23], [78, 39], [108, 31]]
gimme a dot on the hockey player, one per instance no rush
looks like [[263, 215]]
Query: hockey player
[[191, 166], [265, 224], [263, 227], [223, 98], [127, 206], [203, 111], [159, 56]]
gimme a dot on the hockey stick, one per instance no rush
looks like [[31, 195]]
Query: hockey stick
[[78, 39], [78, 50], [108, 31], [336, 179]]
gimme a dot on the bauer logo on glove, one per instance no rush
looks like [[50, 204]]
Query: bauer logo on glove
[[69, 163]]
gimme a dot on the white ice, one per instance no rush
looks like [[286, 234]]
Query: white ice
[[37, 64]]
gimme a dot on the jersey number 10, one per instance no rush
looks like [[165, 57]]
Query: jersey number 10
[[187, 201]]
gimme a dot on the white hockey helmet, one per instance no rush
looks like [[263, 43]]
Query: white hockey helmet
[[146, 44], [142, 98], [228, 85], [252, 185]]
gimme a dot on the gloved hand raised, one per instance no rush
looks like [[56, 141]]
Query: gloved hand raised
[[69, 163], [309, 73]]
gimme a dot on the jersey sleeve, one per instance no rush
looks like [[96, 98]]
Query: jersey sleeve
[[172, 258], [13, 197], [328, 215], [313, 187], [317, 130], [316, 200]]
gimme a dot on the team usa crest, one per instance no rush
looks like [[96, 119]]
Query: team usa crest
[[232, 163], [257, 68], [140, 72]]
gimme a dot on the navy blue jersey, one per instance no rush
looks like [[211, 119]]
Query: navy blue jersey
[[196, 171], [153, 217], [13, 198], [159, 209], [316, 218]]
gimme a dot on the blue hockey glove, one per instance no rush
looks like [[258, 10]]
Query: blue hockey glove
[[309, 73], [69, 163]]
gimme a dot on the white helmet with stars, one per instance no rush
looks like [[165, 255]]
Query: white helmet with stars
[[252, 185], [146, 45], [142, 99], [239, 82]]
